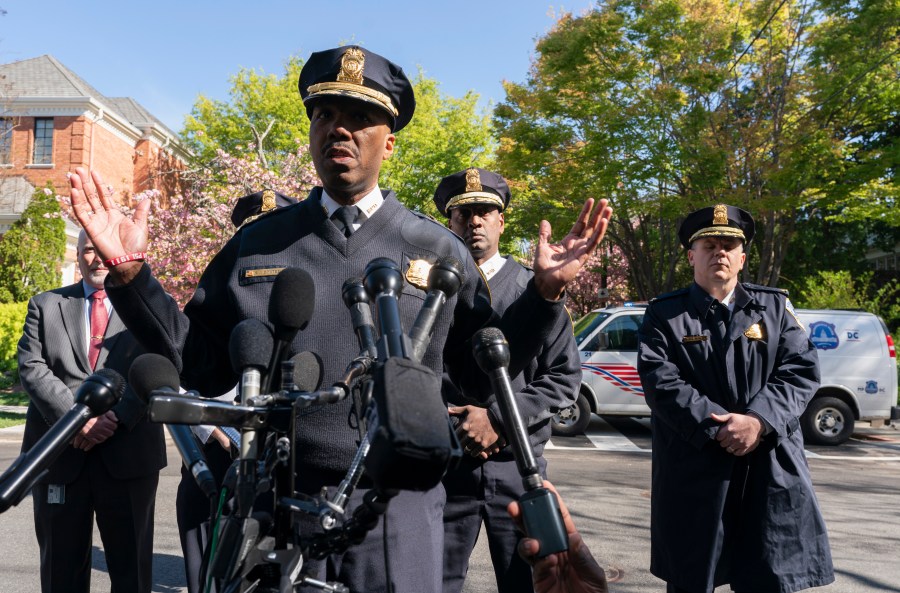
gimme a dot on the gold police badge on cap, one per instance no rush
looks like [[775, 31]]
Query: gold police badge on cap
[[352, 63], [475, 193], [473, 180], [417, 273], [268, 201], [720, 215]]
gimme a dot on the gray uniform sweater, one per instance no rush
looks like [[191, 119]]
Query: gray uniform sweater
[[301, 235]]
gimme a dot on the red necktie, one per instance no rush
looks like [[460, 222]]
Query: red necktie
[[99, 320]]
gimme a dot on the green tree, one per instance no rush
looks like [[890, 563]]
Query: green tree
[[32, 250], [841, 290], [668, 105], [264, 116], [446, 135], [855, 47]]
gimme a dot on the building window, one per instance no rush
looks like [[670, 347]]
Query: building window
[[6, 130], [43, 141]]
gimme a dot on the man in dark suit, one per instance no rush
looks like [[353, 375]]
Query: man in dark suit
[[112, 467]]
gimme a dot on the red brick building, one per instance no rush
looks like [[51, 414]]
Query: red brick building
[[52, 121]]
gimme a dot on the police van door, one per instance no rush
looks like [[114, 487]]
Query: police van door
[[609, 366]]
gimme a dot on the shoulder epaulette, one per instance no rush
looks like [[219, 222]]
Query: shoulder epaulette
[[761, 288], [669, 295]]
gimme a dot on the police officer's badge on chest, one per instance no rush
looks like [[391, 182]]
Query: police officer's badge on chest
[[756, 332], [417, 273]]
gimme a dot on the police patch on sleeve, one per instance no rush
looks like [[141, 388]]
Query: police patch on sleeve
[[790, 309]]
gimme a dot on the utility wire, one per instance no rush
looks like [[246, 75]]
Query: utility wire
[[757, 36]]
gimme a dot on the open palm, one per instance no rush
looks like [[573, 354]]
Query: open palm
[[557, 264], [112, 233]]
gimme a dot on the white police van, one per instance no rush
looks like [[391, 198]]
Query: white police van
[[857, 359]]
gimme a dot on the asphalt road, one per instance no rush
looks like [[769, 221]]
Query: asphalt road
[[605, 479]]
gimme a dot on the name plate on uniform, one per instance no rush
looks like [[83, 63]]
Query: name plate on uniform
[[693, 339]]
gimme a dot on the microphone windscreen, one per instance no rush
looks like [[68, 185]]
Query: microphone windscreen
[[101, 391], [250, 345], [149, 372], [115, 380], [307, 371], [292, 302], [490, 348]]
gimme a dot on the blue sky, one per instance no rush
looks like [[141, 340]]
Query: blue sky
[[165, 53]]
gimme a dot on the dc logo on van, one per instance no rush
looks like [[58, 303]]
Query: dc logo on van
[[871, 386], [824, 335]]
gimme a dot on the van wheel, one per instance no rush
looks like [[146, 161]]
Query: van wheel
[[827, 421], [572, 420]]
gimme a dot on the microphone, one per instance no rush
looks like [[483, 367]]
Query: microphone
[[444, 280], [540, 509], [250, 347], [357, 300], [291, 306], [308, 371], [154, 373], [96, 396], [383, 282]]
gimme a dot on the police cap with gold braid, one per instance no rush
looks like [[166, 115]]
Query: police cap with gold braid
[[356, 73], [720, 220], [251, 206], [472, 186]]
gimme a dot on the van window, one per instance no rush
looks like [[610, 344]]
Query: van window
[[587, 324], [621, 335]]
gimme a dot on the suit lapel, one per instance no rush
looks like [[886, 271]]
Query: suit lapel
[[114, 329], [72, 312]]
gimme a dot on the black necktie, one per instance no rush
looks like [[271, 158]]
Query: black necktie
[[723, 319], [346, 215]]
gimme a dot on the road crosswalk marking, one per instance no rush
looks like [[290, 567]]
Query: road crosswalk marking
[[632, 435]]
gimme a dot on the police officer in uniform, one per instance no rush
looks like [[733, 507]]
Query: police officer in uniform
[[487, 480], [727, 371], [356, 101]]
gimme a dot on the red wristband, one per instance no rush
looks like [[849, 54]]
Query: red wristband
[[136, 256]]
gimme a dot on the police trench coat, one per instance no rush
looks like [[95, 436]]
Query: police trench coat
[[751, 521]]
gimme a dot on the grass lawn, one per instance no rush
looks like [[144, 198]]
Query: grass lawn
[[11, 419], [12, 396]]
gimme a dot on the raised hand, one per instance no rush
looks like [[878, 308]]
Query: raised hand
[[557, 264], [112, 233]]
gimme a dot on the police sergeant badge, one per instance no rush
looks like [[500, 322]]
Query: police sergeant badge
[[417, 273]]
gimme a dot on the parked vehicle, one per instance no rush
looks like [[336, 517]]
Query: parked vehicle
[[857, 357]]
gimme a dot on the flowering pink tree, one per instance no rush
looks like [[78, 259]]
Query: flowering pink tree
[[584, 291], [187, 230], [191, 228]]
